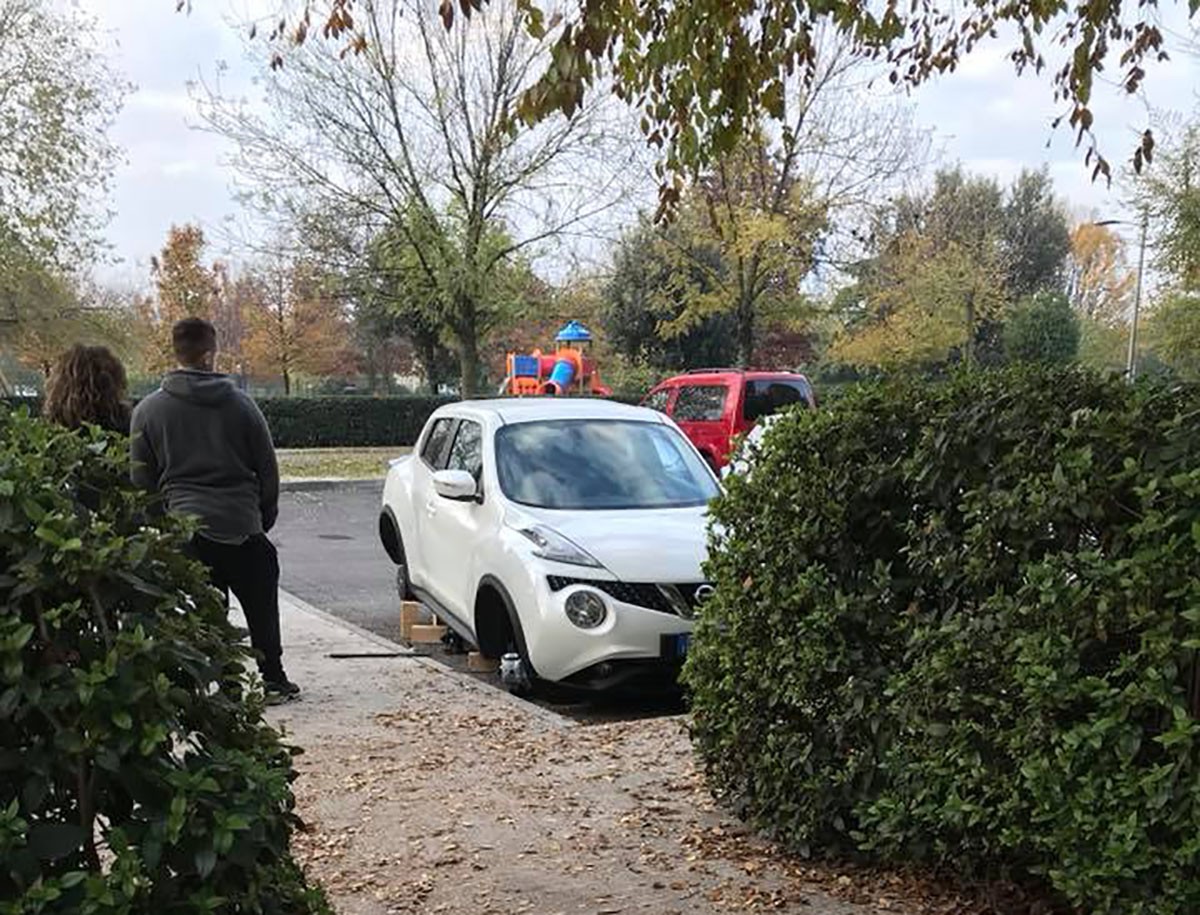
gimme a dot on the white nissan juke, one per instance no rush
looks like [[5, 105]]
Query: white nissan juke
[[563, 536]]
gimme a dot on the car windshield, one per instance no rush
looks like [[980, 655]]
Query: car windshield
[[600, 464]]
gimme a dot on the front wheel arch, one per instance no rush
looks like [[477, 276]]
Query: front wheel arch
[[497, 624]]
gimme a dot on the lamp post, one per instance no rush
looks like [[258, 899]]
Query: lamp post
[[1131, 358]]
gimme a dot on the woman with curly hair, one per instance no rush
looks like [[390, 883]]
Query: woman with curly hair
[[87, 385]]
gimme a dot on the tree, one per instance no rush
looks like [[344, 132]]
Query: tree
[[57, 100], [416, 135], [638, 299], [925, 303], [705, 71], [1173, 333], [295, 325], [998, 244], [1043, 329], [1170, 196], [1035, 235], [767, 213], [186, 288], [1099, 283]]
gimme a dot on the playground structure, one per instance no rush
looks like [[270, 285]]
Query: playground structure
[[567, 370]]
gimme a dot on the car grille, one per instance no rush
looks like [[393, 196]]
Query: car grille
[[650, 596]]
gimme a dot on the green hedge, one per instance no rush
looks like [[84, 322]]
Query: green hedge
[[327, 422], [958, 623], [332, 422]]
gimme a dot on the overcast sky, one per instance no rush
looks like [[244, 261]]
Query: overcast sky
[[982, 115]]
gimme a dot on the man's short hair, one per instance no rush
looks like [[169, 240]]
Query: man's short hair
[[193, 339]]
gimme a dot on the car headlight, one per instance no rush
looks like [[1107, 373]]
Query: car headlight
[[586, 609], [550, 544]]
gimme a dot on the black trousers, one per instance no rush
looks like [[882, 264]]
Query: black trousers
[[251, 571]]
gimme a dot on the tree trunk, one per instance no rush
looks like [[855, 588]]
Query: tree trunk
[[287, 382], [468, 347], [745, 336], [469, 368]]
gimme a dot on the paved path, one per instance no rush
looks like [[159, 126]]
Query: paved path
[[427, 791]]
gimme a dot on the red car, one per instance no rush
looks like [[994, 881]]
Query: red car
[[714, 407]]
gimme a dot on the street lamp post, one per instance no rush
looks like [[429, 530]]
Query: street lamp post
[[1131, 357]]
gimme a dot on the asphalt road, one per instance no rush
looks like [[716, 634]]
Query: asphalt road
[[330, 557]]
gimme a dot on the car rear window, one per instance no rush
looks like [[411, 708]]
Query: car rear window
[[769, 395], [700, 403]]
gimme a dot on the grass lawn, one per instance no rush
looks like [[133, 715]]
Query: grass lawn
[[351, 463]]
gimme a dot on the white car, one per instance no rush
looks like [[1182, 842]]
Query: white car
[[564, 536]]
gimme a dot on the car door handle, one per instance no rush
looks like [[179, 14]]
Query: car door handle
[[431, 508]]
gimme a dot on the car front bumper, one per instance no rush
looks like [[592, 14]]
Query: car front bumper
[[632, 642]]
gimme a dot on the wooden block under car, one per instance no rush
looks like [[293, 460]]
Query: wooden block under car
[[476, 661], [412, 613], [426, 632]]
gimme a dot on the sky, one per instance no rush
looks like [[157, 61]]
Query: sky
[[174, 172]]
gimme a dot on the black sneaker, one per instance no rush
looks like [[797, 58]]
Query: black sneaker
[[280, 690]]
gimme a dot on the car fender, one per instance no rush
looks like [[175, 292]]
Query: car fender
[[397, 504], [514, 617]]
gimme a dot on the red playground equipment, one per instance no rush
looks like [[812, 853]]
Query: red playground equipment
[[568, 370]]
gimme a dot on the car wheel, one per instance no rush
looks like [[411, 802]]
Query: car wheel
[[403, 582]]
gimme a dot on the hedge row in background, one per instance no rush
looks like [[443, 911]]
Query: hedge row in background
[[329, 422], [958, 623], [332, 422]]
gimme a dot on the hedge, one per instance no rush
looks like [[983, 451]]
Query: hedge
[[957, 623], [327, 422], [136, 772], [330, 422]]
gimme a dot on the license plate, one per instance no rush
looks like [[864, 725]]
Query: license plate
[[676, 645]]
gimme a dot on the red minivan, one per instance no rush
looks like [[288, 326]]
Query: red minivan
[[715, 406]]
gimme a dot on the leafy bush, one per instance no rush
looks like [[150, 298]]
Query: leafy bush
[[958, 623], [136, 773], [1045, 329]]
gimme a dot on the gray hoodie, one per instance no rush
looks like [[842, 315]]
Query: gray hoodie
[[205, 446]]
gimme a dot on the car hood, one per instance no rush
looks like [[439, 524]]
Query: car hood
[[652, 545]]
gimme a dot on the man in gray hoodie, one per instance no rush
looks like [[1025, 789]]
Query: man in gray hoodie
[[205, 447]]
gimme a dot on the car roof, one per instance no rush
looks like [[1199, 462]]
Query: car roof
[[511, 410], [706, 376]]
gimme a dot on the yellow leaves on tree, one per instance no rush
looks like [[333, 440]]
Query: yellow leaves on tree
[[1099, 283], [743, 244], [928, 302], [294, 326], [186, 287]]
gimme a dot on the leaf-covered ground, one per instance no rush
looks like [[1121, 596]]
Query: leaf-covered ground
[[425, 791]]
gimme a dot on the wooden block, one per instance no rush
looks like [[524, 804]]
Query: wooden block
[[476, 661], [426, 632], [412, 613]]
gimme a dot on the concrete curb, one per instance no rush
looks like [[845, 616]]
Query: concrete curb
[[319, 484], [288, 600]]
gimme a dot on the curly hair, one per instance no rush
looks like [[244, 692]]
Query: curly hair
[[87, 385]]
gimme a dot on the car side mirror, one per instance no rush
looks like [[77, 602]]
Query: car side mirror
[[456, 485]]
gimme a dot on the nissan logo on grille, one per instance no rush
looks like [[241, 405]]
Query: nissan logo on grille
[[703, 593]]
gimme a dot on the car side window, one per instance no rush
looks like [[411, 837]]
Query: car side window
[[435, 442], [700, 402], [467, 451], [658, 400], [766, 397]]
